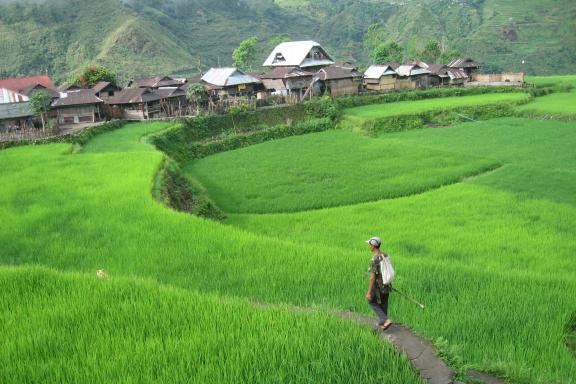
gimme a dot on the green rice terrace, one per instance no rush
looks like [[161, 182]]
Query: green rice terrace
[[227, 247]]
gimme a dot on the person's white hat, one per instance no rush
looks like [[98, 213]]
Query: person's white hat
[[375, 241]]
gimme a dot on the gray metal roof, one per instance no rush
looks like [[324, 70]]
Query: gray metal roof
[[411, 70], [298, 54], [15, 110], [227, 77], [377, 71]]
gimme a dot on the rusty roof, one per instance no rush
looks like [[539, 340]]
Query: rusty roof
[[133, 96], [166, 93], [285, 72], [17, 84], [101, 85], [155, 82], [463, 62], [82, 97], [438, 69], [336, 72]]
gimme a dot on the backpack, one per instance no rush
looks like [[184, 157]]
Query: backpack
[[386, 270]]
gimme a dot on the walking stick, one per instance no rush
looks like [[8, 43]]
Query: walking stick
[[421, 306]]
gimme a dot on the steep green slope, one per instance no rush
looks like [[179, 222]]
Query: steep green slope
[[138, 37], [73, 328]]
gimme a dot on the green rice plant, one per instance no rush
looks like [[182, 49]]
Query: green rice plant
[[80, 329], [555, 105], [376, 111], [549, 81], [327, 172], [491, 258]]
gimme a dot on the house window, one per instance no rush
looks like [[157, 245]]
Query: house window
[[110, 93]]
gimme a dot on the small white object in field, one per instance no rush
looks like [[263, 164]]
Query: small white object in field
[[101, 274]]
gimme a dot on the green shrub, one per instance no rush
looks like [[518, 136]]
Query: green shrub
[[398, 123], [176, 191], [199, 150]]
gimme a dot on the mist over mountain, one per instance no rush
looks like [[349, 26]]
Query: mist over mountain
[[141, 37]]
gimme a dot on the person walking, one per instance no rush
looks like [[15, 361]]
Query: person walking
[[378, 292]]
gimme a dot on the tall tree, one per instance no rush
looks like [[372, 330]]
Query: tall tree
[[244, 56], [431, 52], [93, 74], [374, 36], [385, 53], [448, 56], [40, 103], [196, 93]]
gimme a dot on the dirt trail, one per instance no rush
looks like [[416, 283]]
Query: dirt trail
[[421, 353]]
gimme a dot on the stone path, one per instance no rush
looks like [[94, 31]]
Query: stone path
[[421, 353]]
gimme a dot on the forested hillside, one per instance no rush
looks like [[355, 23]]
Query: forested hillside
[[139, 37]]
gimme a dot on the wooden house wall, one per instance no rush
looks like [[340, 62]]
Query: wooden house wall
[[499, 77], [386, 83], [342, 87], [77, 114], [295, 83]]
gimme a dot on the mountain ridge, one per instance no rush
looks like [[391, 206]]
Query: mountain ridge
[[144, 37]]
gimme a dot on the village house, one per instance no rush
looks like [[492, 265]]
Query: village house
[[340, 80], [412, 76], [308, 55], [287, 81], [156, 82], [145, 103], [135, 104], [497, 79], [19, 89], [77, 107], [15, 116], [381, 77], [105, 90], [441, 75], [466, 64], [230, 82]]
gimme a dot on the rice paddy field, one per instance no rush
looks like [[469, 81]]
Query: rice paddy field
[[479, 219], [375, 111]]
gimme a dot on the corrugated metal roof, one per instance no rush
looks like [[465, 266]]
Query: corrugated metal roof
[[133, 96], [377, 71], [155, 82], [456, 73], [337, 72], [227, 77], [15, 110], [411, 70], [295, 54], [286, 72], [9, 96], [463, 62]]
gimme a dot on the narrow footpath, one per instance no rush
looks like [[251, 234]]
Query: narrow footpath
[[421, 353]]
